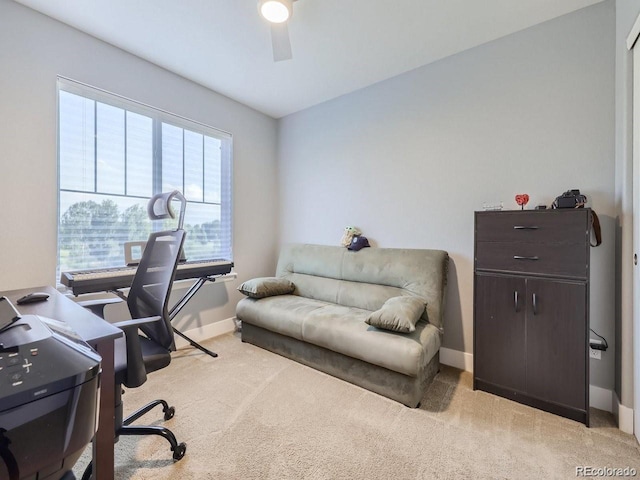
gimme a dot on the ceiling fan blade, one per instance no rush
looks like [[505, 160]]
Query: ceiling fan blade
[[280, 42]]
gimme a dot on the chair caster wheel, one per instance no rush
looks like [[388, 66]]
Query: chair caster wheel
[[169, 413], [179, 451]]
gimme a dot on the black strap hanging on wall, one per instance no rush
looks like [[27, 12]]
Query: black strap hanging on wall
[[595, 227]]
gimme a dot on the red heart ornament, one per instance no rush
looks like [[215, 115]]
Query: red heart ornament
[[522, 199]]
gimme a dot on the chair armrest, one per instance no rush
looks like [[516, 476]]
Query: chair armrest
[[97, 306], [136, 322], [136, 372]]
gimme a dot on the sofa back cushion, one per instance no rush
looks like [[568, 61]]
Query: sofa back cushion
[[366, 278]]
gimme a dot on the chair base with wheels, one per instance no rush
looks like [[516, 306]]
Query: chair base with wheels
[[178, 449]]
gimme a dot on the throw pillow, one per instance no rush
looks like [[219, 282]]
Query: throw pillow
[[399, 314], [266, 287]]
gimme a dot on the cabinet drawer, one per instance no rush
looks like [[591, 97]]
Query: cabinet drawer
[[557, 226], [558, 260]]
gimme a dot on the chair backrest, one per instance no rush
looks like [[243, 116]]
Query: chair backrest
[[151, 286]]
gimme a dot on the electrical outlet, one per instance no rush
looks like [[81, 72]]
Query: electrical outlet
[[596, 354]]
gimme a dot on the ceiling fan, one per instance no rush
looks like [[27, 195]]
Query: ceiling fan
[[278, 13]]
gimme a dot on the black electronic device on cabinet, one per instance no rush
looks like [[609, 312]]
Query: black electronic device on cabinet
[[531, 308]]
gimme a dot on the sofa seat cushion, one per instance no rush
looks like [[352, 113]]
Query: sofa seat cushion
[[343, 330], [283, 314]]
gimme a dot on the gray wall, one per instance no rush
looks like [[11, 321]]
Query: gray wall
[[408, 160], [34, 49]]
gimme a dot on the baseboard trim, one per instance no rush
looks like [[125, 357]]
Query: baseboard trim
[[624, 415], [205, 332], [457, 359], [601, 398]]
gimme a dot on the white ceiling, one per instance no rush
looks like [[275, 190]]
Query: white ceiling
[[338, 45]]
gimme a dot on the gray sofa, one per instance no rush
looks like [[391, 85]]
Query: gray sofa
[[322, 322]]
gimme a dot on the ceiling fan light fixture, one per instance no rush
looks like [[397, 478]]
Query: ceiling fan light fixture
[[276, 11]]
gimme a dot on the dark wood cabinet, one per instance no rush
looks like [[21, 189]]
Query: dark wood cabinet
[[531, 299]]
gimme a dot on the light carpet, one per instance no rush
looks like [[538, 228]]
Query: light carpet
[[252, 414]]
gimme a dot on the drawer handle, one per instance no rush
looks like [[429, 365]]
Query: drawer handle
[[524, 227], [519, 257]]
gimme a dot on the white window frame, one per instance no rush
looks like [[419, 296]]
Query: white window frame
[[158, 117]]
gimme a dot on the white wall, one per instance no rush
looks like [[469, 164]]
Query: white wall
[[408, 160], [34, 49]]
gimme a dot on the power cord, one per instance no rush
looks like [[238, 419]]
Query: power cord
[[595, 344]]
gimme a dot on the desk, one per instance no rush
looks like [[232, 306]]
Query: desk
[[101, 336]]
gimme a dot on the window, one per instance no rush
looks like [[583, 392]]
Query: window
[[113, 155]]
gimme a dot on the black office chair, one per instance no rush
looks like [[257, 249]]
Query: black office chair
[[137, 355]]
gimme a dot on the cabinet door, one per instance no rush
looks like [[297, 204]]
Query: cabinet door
[[556, 341], [499, 356]]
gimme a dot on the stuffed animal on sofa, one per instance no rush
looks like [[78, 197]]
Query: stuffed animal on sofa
[[347, 236]]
